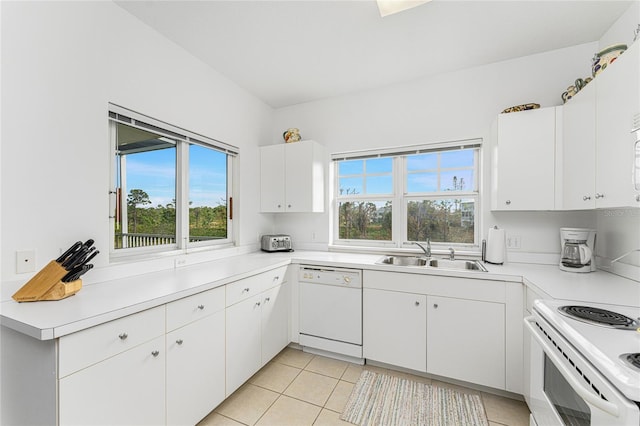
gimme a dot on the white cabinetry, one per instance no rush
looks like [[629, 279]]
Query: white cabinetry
[[114, 373], [292, 177], [466, 340], [195, 356], [256, 324], [579, 150], [617, 101], [524, 164], [395, 328], [461, 328]]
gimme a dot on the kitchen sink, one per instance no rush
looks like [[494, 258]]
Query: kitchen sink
[[471, 265], [403, 260], [468, 265]]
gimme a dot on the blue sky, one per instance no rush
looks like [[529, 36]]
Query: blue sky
[[154, 172], [423, 171]]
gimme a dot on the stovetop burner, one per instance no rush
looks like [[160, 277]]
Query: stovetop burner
[[599, 316], [632, 359]]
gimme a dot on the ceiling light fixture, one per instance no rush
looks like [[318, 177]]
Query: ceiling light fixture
[[389, 7]]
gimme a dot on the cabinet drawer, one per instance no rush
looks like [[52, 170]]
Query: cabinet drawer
[[256, 284], [183, 311], [87, 347]]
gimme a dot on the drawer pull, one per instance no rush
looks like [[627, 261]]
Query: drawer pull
[[179, 341], [267, 299], [257, 303], [201, 307], [246, 290], [417, 303], [276, 278], [586, 198], [435, 306], [155, 353], [123, 336]]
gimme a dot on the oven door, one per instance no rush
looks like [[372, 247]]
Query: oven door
[[565, 389]]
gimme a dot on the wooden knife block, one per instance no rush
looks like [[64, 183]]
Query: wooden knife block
[[46, 285]]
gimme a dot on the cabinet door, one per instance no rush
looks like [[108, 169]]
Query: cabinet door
[[127, 389], [395, 328], [579, 150], [299, 184], [272, 178], [617, 102], [243, 348], [275, 321], [195, 370], [525, 166], [466, 340]]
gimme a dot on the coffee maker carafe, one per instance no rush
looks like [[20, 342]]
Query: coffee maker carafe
[[578, 249]]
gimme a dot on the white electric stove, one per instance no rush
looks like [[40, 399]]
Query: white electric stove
[[584, 364]]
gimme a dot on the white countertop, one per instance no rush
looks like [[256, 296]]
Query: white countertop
[[109, 300]]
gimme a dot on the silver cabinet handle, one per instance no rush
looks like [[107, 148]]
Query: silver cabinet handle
[[123, 336], [435, 306], [586, 198], [417, 303], [638, 198], [246, 290], [201, 307], [267, 299], [508, 202], [598, 195], [179, 341], [155, 353], [289, 206], [257, 303], [279, 206], [276, 278]]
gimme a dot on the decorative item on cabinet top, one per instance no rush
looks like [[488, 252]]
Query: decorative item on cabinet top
[[605, 57], [523, 107], [575, 88], [292, 135]]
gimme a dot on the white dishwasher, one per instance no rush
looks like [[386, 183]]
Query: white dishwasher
[[330, 317]]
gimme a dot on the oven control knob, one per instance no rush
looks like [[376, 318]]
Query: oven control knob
[[347, 279]]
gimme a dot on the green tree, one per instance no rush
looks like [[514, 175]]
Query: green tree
[[136, 198]]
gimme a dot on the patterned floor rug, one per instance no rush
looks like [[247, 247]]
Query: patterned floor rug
[[383, 400]]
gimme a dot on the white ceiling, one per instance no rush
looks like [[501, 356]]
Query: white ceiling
[[289, 52]]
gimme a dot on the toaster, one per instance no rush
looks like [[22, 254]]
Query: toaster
[[276, 242]]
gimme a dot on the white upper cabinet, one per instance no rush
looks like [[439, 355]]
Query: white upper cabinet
[[524, 161], [292, 177], [579, 150], [617, 101], [598, 146]]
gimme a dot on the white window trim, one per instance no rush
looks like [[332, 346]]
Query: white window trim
[[183, 138], [400, 197]]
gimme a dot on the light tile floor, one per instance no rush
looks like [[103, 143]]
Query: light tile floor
[[297, 388]]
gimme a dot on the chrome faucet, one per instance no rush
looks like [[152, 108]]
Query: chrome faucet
[[452, 254], [426, 250]]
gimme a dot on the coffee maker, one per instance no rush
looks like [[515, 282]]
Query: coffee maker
[[578, 249]]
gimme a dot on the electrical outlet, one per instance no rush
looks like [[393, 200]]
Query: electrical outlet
[[180, 261], [513, 241], [25, 261]]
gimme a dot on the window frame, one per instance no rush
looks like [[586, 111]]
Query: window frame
[[400, 197], [183, 139]]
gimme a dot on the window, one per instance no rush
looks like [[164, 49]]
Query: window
[[171, 188], [412, 194]]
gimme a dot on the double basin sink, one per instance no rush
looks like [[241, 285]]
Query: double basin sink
[[468, 265]]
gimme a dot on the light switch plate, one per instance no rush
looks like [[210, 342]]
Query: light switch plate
[[25, 261]]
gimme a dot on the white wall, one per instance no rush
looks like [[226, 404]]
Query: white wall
[[62, 62], [457, 105]]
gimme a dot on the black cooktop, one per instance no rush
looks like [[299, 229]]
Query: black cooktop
[[599, 316]]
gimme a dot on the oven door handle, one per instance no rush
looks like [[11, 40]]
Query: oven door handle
[[585, 393]]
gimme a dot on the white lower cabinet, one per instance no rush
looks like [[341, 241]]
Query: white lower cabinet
[[195, 370], [395, 328], [257, 328], [126, 389], [458, 328], [466, 340]]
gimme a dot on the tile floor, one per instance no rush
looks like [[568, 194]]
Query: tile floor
[[297, 388]]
